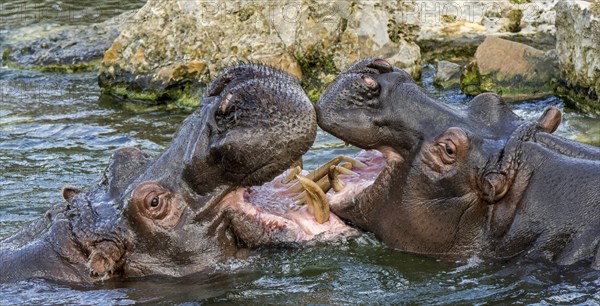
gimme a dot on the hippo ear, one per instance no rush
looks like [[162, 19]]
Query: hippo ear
[[550, 120], [494, 187], [69, 192], [491, 110]]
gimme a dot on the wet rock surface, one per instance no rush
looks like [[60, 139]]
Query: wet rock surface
[[71, 48], [513, 70], [178, 45], [578, 47], [447, 74]]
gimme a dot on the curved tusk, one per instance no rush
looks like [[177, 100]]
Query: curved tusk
[[317, 202]]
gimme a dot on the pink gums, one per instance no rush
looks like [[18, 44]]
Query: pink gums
[[274, 206]]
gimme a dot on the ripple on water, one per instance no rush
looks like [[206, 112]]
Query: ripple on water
[[40, 292]]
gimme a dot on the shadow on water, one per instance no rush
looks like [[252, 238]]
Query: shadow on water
[[58, 129]]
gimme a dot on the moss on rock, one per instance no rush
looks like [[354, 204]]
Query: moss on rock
[[66, 68], [512, 89], [433, 51], [140, 96], [185, 95], [317, 70], [470, 80], [583, 99], [514, 20]]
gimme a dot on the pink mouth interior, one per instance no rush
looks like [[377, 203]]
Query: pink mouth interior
[[274, 205]]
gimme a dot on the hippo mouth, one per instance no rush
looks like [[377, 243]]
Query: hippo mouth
[[379, 165], [295, 205], [271, 214]]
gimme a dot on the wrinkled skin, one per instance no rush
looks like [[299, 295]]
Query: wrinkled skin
[[179, 213], [479, 182]]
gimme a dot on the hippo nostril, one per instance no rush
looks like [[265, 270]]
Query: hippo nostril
[[370, 82], [381, 65]]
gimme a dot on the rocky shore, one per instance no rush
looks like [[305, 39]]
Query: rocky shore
[[56, 48], [179, 44], [169, 49]]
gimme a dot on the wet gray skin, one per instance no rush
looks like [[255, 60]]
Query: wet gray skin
[[457, 184], [169, 215]]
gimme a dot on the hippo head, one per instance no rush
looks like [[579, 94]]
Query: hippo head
[[190, 207], [441, 178]]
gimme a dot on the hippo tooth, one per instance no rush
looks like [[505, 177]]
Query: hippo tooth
[[317, 202], [334, 179], [324, 183], [326, 177], [291, 174], [346, 169], [317, 174], [355, 163]]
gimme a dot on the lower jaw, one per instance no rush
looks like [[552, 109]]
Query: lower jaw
[[273, 205]]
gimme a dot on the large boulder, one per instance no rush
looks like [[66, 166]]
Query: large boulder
[[578, 47], [513, 70], [176, 46]]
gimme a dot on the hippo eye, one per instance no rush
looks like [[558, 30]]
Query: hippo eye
[[152, 200], [157, 205], [449, 149], [447, 152]]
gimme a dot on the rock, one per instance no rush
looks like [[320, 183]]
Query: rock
[[447, 74], [513, 70], [578, 48], [73, 48], [176, 46], [452, 30]]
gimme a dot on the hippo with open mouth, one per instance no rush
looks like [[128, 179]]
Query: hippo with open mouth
[[212, 193], [455, 184]]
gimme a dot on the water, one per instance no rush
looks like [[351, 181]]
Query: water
[[17, 13], [57, 129]]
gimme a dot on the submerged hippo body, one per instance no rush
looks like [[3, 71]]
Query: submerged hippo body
[[189, 208], [455, 184]]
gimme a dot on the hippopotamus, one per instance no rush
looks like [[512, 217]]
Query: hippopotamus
[[461, 183], [212, 194]]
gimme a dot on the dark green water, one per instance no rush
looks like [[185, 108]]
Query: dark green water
[[57, 129]]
